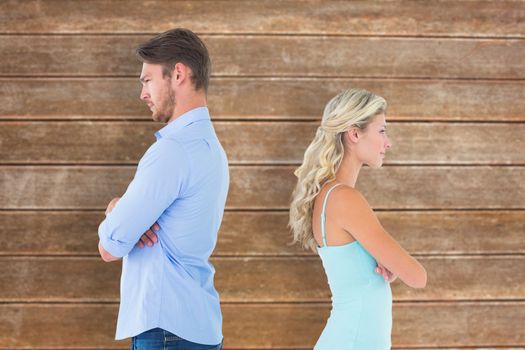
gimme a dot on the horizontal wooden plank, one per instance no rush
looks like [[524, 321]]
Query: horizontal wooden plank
[[266, 233], [268, 98], [87, 55], [28, 279], [270, 187], [461, 18], [256, 142], [491, 324], [125, 346]]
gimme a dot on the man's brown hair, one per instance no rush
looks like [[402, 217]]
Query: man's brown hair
[[178, 45]]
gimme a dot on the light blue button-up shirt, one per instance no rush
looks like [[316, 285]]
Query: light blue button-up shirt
[[181, 182]]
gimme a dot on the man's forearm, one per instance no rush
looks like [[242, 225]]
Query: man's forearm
[[106, 256]]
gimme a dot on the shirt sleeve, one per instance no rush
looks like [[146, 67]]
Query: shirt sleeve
[[158, 182]]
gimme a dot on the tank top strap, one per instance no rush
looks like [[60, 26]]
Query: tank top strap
[[323, 217]]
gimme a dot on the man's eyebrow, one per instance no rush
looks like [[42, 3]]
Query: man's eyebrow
[[143, 78]]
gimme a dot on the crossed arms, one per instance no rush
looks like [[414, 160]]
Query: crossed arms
[[156, 185], [148, 238]]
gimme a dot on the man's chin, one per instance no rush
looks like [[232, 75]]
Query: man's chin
[[158, 118]]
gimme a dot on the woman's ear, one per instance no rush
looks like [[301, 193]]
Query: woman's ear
[[352, 135]]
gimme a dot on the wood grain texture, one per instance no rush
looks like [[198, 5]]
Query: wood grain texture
[[256, 142], [448, 18], [267, 280], [88, 55], [256, 326], [270, 187], [267, 234], [265, 98], [452, 192]]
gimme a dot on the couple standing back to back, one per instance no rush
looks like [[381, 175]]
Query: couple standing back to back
[[175, 203]]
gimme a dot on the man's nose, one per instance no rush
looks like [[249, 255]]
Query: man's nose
[[143, 94]]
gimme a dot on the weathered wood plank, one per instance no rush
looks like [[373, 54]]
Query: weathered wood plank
[[88, 55], [270, 187], [266, 233], [256, 326], [126, 346], [268, 280], [265, 98], [256, 142], [422, 324], [461, 18]]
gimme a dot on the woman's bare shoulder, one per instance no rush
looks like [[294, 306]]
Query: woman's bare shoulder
[[350, 205], [347, 195]]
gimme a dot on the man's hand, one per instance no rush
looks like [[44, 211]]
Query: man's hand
[[148, 238], [387, 275]]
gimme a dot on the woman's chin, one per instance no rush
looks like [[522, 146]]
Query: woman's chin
[[375, 165]]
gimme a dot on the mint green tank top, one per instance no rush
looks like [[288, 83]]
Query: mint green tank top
[[361, 315]]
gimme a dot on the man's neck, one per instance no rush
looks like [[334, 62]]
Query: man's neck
[[186, 106]]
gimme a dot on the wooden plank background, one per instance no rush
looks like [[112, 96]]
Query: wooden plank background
[[452, 190]]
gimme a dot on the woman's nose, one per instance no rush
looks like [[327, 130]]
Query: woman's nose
[[388, 143]]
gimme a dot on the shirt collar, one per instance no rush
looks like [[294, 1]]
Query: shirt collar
[[199, 113]]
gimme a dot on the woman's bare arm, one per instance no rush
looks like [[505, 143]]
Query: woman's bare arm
[[355, 215]]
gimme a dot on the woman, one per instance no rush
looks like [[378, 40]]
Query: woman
[[331, 217]]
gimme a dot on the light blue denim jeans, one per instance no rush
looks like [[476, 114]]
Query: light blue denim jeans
[[159, 339]]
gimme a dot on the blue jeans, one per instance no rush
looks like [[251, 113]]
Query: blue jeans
[[159, 339]]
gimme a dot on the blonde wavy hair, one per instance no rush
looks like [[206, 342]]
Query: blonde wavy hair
[[350, 108]]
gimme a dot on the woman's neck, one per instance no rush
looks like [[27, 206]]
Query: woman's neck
[[348, 171]]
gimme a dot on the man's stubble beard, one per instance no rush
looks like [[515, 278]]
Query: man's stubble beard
[[165, 110]]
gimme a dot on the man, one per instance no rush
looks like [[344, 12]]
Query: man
[[168, 300]]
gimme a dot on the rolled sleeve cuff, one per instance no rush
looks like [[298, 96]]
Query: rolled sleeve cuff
[[115, 248]]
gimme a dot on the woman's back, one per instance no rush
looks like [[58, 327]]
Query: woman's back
[[361, 316]]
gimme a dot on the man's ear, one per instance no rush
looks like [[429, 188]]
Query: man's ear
[[179, 73]]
